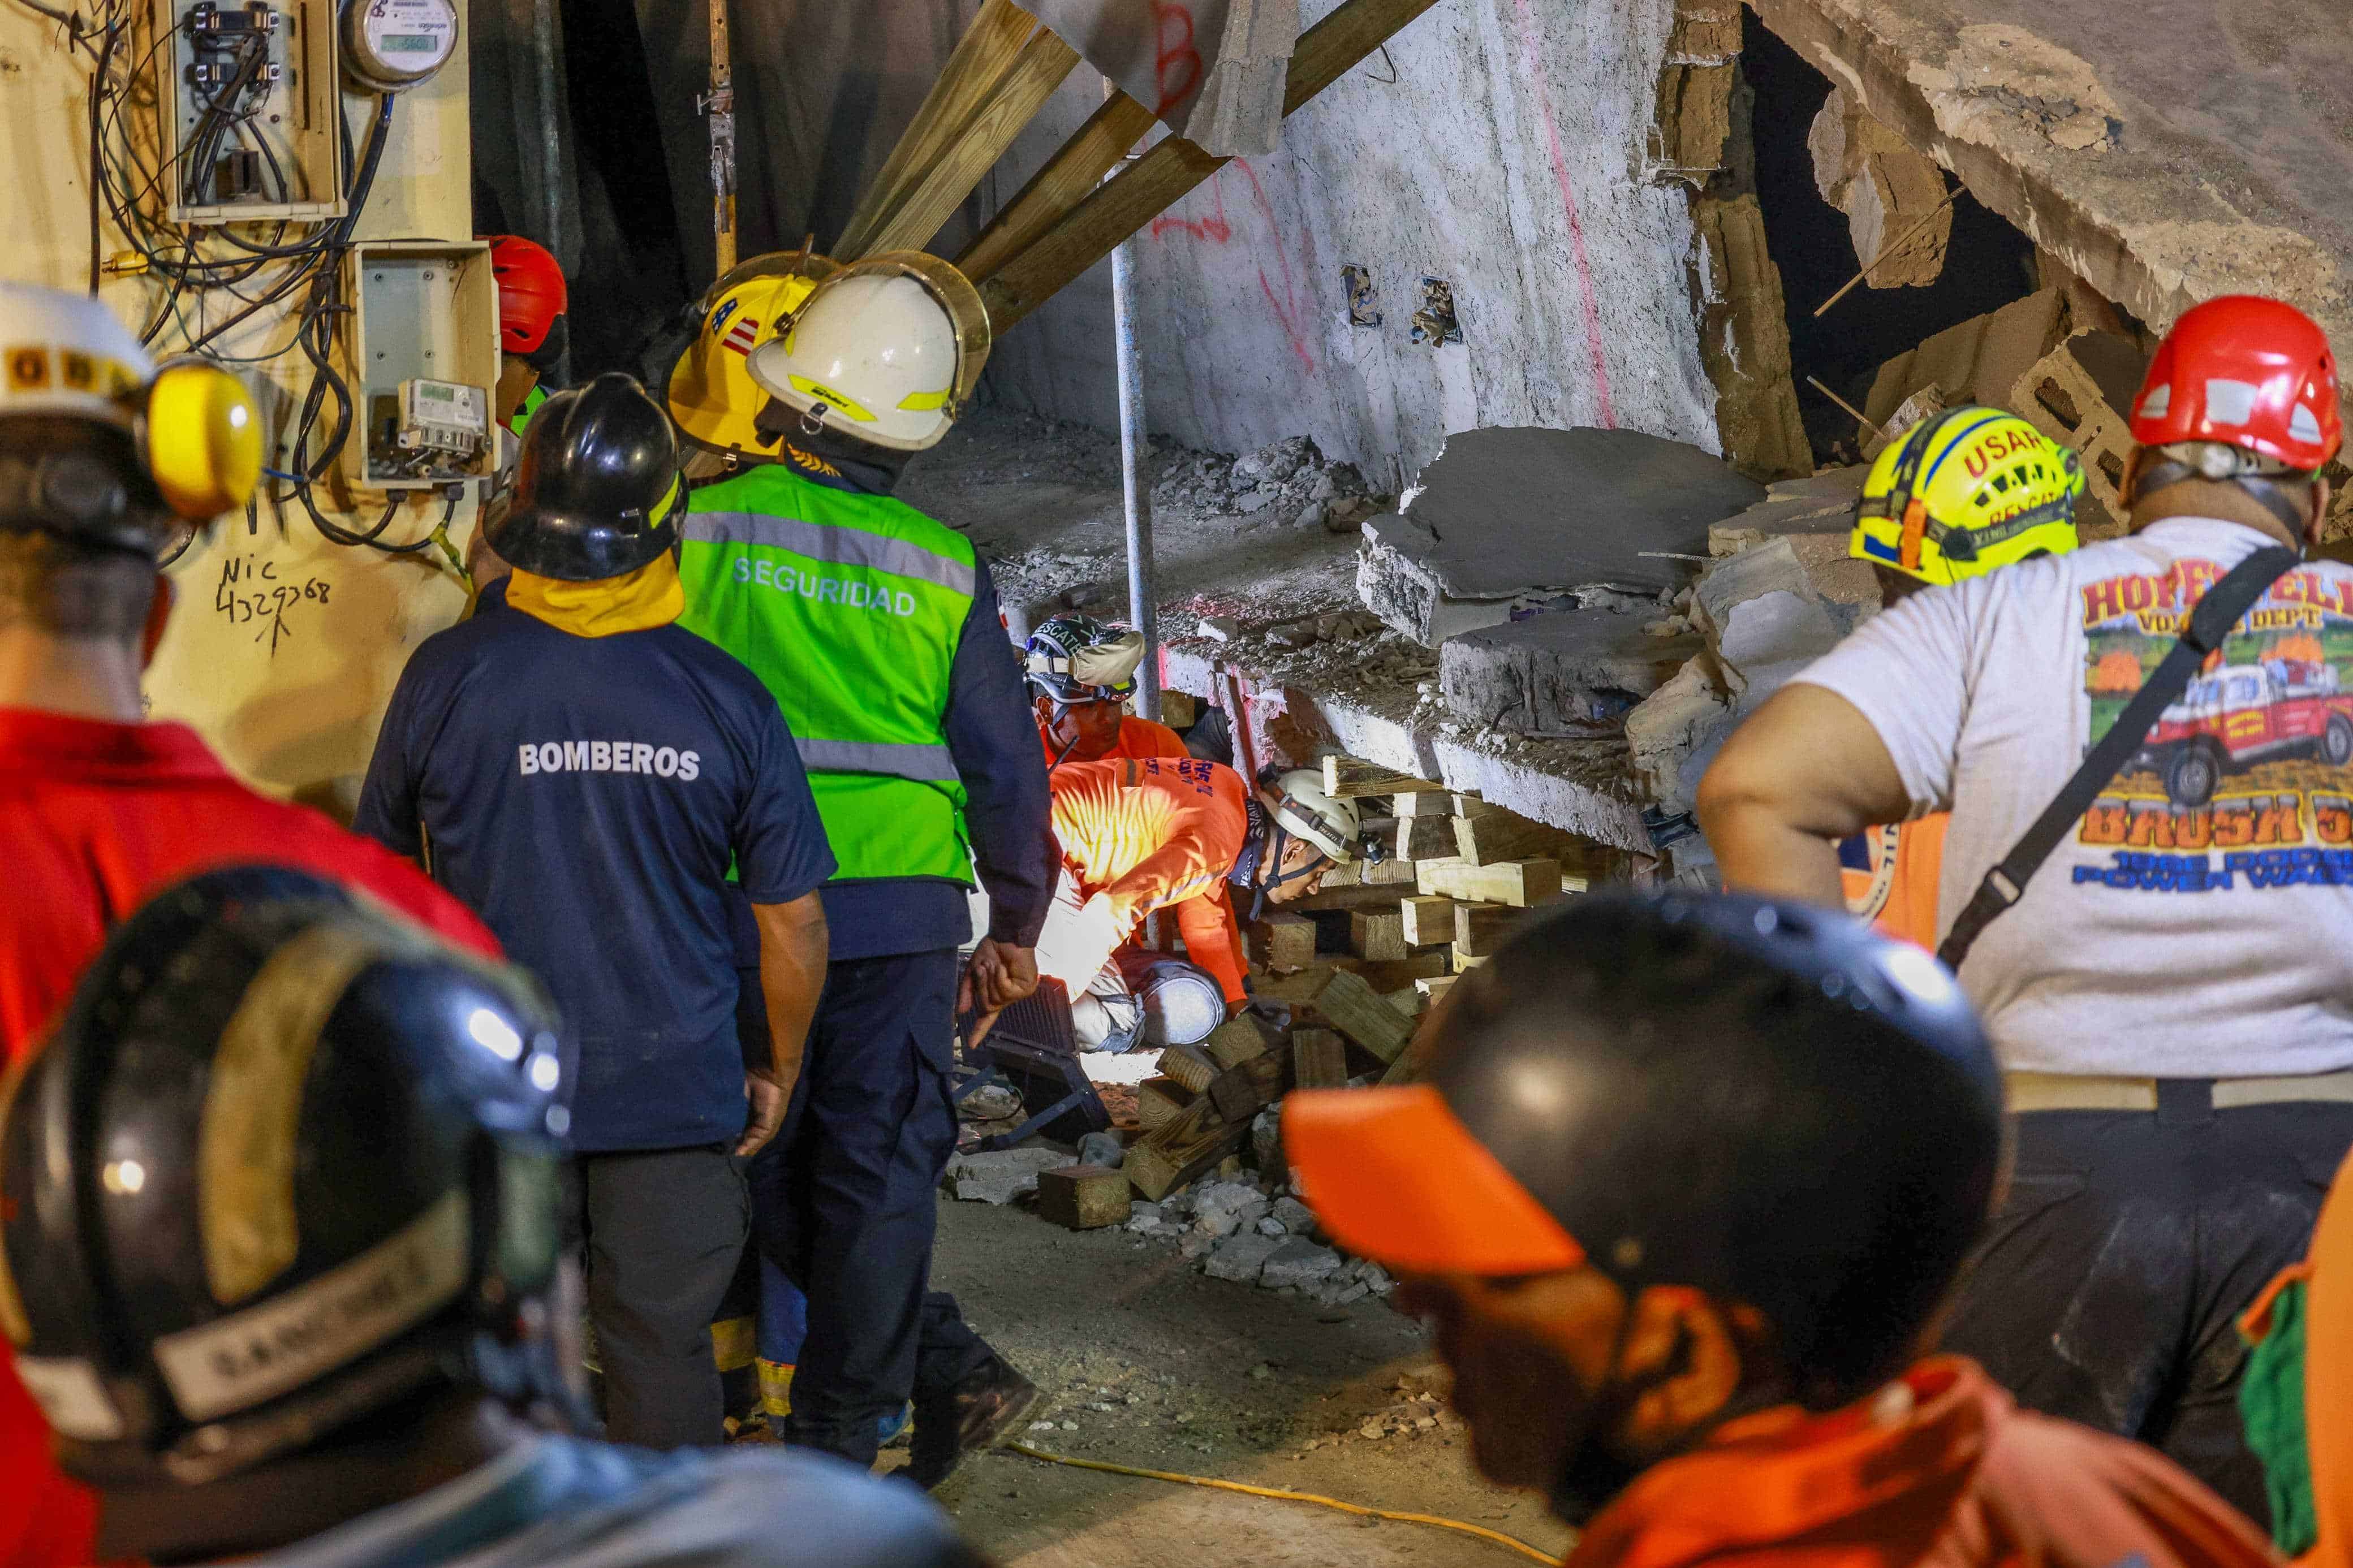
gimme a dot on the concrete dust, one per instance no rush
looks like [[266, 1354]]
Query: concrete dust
[[1147, 1361]]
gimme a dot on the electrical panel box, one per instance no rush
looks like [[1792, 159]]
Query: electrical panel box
[[421, 357], [249, 103]]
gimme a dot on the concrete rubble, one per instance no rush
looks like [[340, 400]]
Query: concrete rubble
[[1889, 193], [1519, 519], [1000, 1175]]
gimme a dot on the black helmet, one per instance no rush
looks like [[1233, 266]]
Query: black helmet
[[1765, 1100], [596, 487], [284, 1161]]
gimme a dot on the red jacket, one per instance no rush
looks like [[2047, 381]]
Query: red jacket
[[94, 817], [1939, 1470]]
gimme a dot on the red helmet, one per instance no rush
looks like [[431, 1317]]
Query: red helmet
[[530, 291], [2247, 371]]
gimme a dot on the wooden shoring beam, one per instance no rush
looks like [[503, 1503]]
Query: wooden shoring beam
[[1093, 150], [1161, 178]]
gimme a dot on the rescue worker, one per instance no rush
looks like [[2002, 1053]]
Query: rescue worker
[[351, 1340], [1142, 835], [2168, 993], [1968, 527], [584, 773], [877, 630], [1648, 1198], [1081, 673], [534, 326], [104, 462], [2296, 1398]]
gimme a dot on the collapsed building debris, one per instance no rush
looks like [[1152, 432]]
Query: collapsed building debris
[[1893, 197], [1516, 519]]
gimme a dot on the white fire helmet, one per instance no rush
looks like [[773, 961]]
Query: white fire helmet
[[1303, 810], [886, 351]]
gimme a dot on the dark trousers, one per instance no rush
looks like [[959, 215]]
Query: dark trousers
[[661, 1233], [2108, 1289], [844, 1199]]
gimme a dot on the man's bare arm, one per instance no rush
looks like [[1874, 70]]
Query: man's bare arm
[[793, 950], [1802, 773]]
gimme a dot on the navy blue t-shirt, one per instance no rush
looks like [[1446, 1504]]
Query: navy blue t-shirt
[[584, 797]]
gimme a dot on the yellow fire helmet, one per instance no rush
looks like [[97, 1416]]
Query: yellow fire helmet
[[198, 435], [887, 351], [711, 398], [1965, 492]]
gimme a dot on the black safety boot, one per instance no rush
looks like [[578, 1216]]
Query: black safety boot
[[986, 1409]]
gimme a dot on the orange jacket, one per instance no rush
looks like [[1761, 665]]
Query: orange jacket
[[2328, 1273], [1137, 738], [1897, 891], [1151, 832], [1954, 1476]]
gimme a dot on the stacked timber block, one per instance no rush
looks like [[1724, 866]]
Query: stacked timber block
[[1464, 876]]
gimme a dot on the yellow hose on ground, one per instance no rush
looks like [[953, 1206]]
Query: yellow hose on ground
[[1497, 1536]]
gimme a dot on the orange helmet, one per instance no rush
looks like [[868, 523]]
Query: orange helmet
[[532, 292], [2246, 372]]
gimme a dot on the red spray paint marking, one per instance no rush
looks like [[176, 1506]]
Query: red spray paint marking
[[1216, 229], [1176, 67], [1575, 227]]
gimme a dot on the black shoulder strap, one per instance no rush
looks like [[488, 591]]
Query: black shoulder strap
[[2210, 620]]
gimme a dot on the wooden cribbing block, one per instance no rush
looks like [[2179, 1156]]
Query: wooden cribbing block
[[1464, 963], [1435, 988], [1385, 977], [1357, 1010], [1298, 991], [1501, 836], [1345, 778], [1319, 1060], [1376, 934], [1481, 928], [1240, 1093], [1422, 803], [1083, 1197], [1188, 1145], [1283, 941], [1519, 883], [1428, 920], [1189, 1066], [1158, 1099], [1472, 805], [1364, 896], [1179, 709], [1425, 837], [1389, 873], [1235, 1042], [1405, 1000], [1405, 1069]]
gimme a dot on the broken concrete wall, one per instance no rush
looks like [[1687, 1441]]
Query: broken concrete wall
[[1893, 197], [1494, 147]]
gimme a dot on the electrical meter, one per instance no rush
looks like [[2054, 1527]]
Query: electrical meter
[[389, 45], [443, 417]]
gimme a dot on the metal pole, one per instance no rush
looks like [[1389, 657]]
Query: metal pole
[[1142, 600]]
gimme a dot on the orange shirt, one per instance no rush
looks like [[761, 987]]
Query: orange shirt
[[1137, 738], [1152, 832], [1955, 1476], [1892, 875]]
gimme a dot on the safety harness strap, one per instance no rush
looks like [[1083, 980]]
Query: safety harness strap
[[2210, 621]]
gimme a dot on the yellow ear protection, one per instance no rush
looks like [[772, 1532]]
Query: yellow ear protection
[[202, 438], [193, 449]]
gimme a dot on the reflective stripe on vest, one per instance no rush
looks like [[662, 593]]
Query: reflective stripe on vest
[[848, 607]]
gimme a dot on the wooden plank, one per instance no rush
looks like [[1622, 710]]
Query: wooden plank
[[1354, 1008], [1234, 1042], [1076, 168], [1481, 928], [981, 59], [1187, 1146], [1361, 897], [1347, 778], [1435, 989], [1405, 1000], [1505, 836], [1404, 971], [1189, 1066], [1425, 837], [1376, 934], [1298, 991], [1464, 963], [1156, 182], [1044, 62], [1519, 883], [1158, 1099], [1241, 1092], [1425, 803], [1390, 873], [1283, 941], [1318, 1059], [1427, 921], [1083, 1197], [1472, 805]]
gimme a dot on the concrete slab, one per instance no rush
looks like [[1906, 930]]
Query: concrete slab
[[1568, 674], [1508, 518]]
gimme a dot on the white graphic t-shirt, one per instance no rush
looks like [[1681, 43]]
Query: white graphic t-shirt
[[2198, 922]]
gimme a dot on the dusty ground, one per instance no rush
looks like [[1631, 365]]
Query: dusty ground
[[1148, 1363]]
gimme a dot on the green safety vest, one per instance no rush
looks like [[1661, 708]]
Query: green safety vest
[[529, 406], [849, 608]]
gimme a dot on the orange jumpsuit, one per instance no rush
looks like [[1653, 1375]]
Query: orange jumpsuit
[[1940, 1471], [1892, 875], [1155, 831]]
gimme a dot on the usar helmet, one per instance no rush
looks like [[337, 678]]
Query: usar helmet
[[285, 1160], [1965, 492], [1076, 659]]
